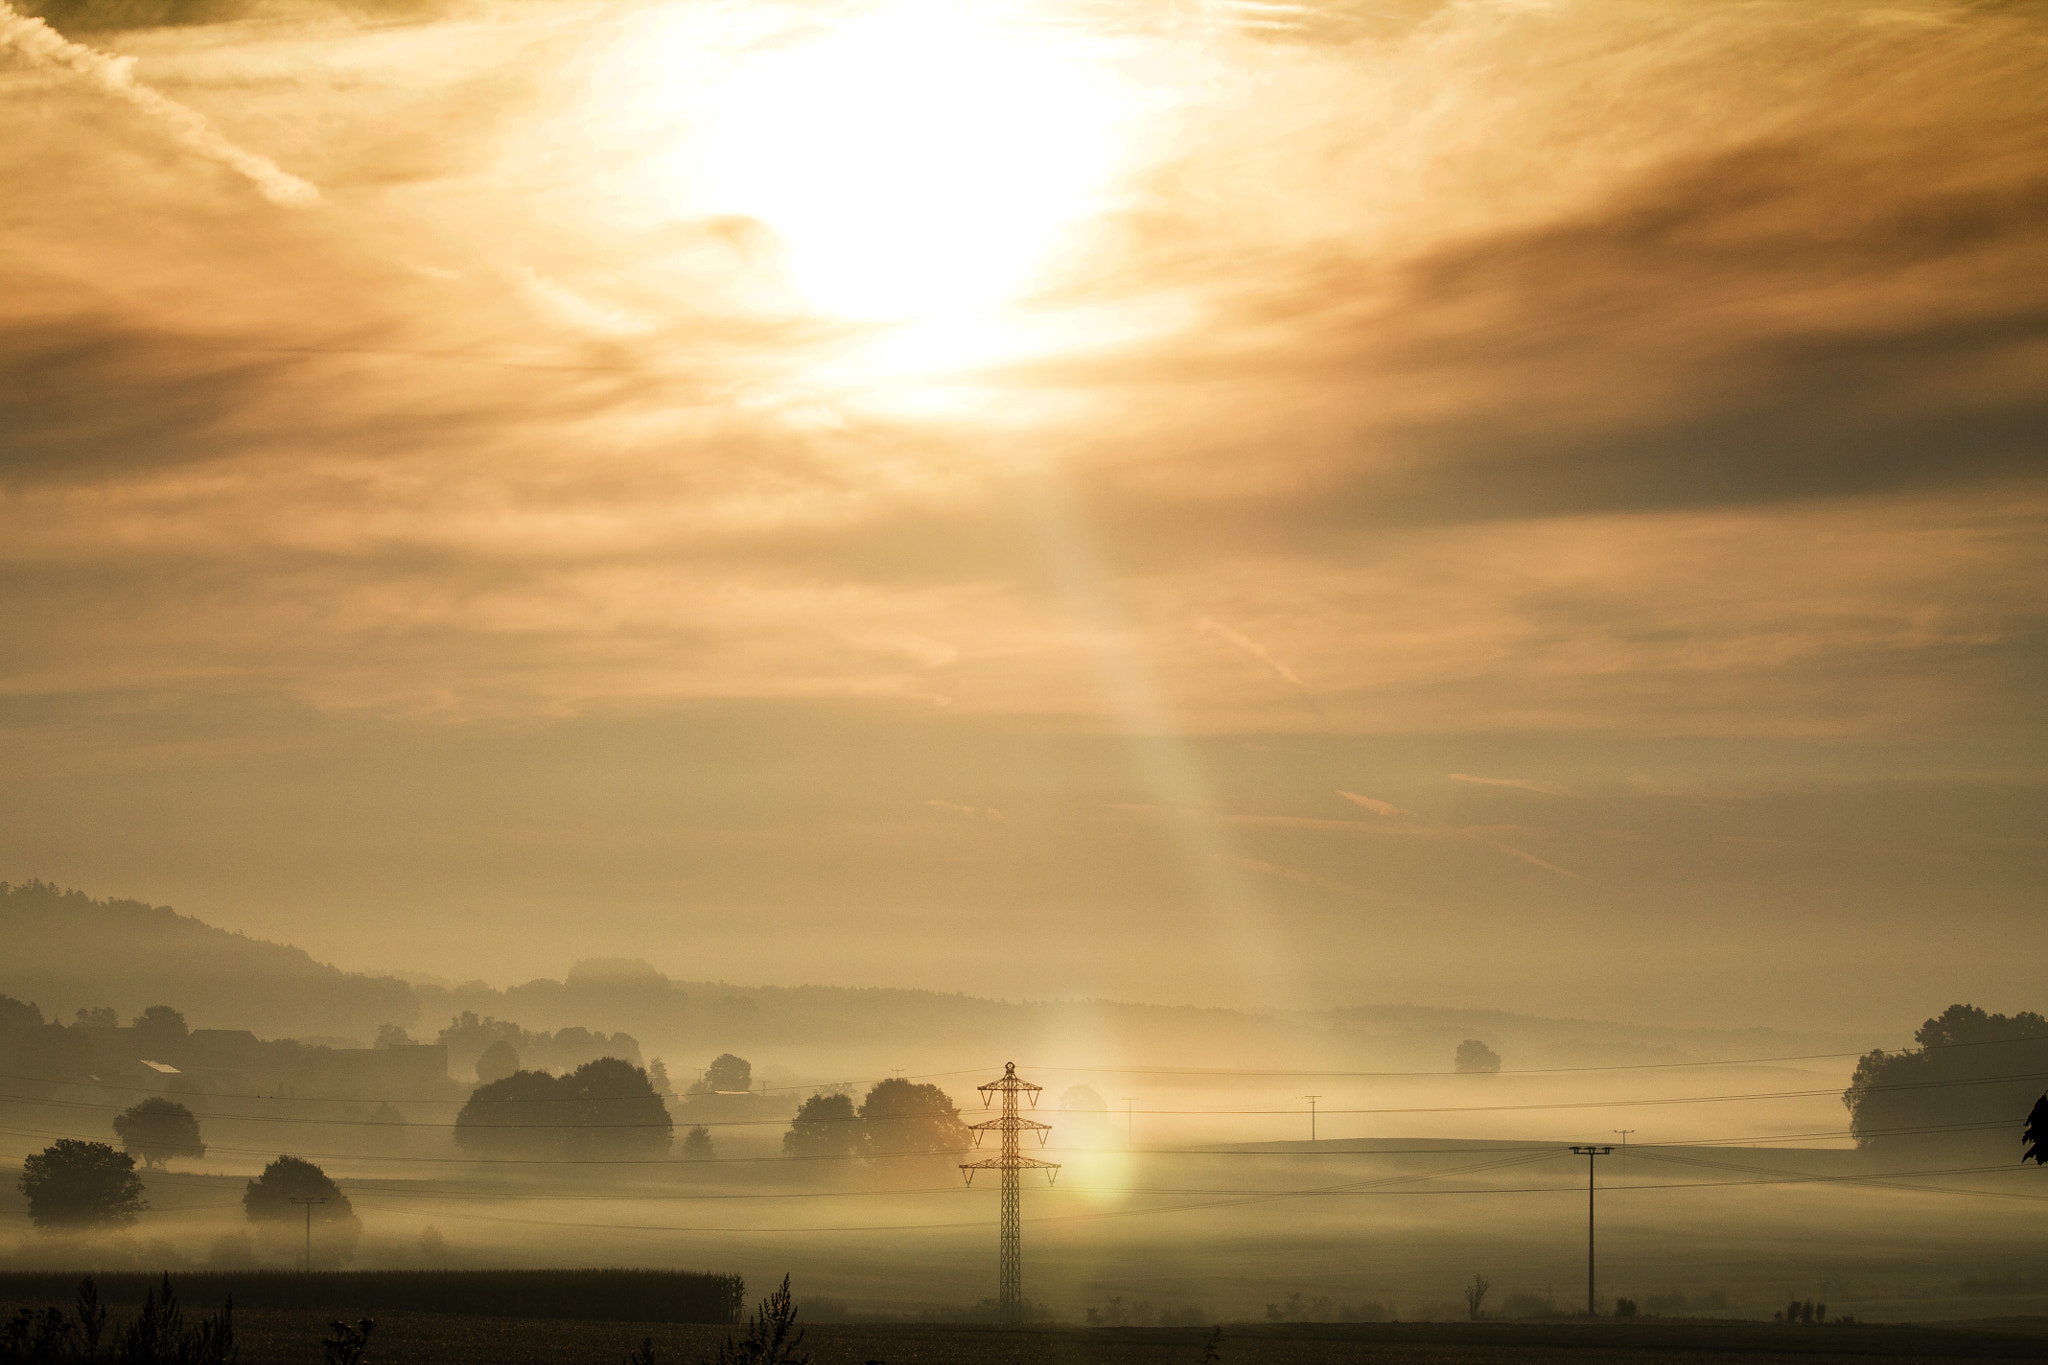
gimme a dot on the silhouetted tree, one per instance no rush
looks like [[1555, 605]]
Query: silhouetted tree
[[394, 1035], [1475, 1295], [498, 1061], [2036, 1135], [727, 1074], [697, 1144], [516, 1115], [1082, 1099], [617, 1112], [657, 1076], [81, 1184], [1475, 1057], [605, 1108], [17, 1016], [157, 1130], [98, 1016], [161, 1030], [1970, 1074], [270, 1200], [825, 1126], [902, 1117]]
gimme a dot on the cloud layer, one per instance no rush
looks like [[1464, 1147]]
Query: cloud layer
[[1598, 369]]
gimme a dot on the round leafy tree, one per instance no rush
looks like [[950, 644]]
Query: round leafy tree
[[603, 1109], [903, 1117], [72, 1184], [161, 1030], [727, 1075], [1476, 1058], [288, 1187], [618, 1114], [824, 1126], [516, 1115], [697, 1144], [157, 1130]]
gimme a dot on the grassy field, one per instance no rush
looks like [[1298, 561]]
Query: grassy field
[[1347, 1229], [271, 1337]]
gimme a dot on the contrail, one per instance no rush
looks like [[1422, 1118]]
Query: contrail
[[44, 46]]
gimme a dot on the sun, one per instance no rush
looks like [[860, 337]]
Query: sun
[[909, 160]]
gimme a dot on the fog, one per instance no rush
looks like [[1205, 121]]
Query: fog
[[1353, 1165]]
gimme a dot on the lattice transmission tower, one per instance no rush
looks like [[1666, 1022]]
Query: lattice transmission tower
[[1010, 1259]]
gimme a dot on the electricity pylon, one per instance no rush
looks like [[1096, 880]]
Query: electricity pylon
[[1010, 1260]]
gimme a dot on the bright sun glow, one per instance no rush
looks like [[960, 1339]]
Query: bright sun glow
[[912, 161]]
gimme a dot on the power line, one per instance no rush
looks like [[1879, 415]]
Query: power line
[[1326, 1152], [144, 1087], [1274, 1073], [1541, 1070]]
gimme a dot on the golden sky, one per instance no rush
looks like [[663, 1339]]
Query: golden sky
[[1522, 502]]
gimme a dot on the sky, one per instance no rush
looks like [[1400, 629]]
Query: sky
[[1534, 504]]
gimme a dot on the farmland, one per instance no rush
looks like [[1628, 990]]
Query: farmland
[[292, 1337]]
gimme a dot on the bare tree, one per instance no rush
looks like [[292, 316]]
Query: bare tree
[[1475, 1295]]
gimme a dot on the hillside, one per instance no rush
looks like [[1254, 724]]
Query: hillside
[[65, 950]]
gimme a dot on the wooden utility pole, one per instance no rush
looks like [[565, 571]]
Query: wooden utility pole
[[308, 1204], [1590, 1153]]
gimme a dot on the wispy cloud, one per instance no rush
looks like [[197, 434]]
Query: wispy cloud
[[1386, 808], [1519, 783], [969, 812], [1253, 648], [1296, 875], [35, 42]]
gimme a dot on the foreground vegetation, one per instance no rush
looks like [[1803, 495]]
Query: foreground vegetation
[[296, 1337], [610, 1295]]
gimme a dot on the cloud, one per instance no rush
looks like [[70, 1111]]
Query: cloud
[[1253, 648], [1535, 861], [1519, 783], [36, 43], [1376, 807], [970, 812], [1718, 427], [1296, 875]]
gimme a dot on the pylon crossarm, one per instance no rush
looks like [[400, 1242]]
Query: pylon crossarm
[[1010, 1123]]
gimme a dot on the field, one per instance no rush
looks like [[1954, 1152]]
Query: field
[[1719, 1210], [276, 1337]]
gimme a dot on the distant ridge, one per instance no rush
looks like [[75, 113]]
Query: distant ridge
[[64, 950]]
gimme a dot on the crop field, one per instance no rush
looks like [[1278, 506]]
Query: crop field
[[292, 1337]]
